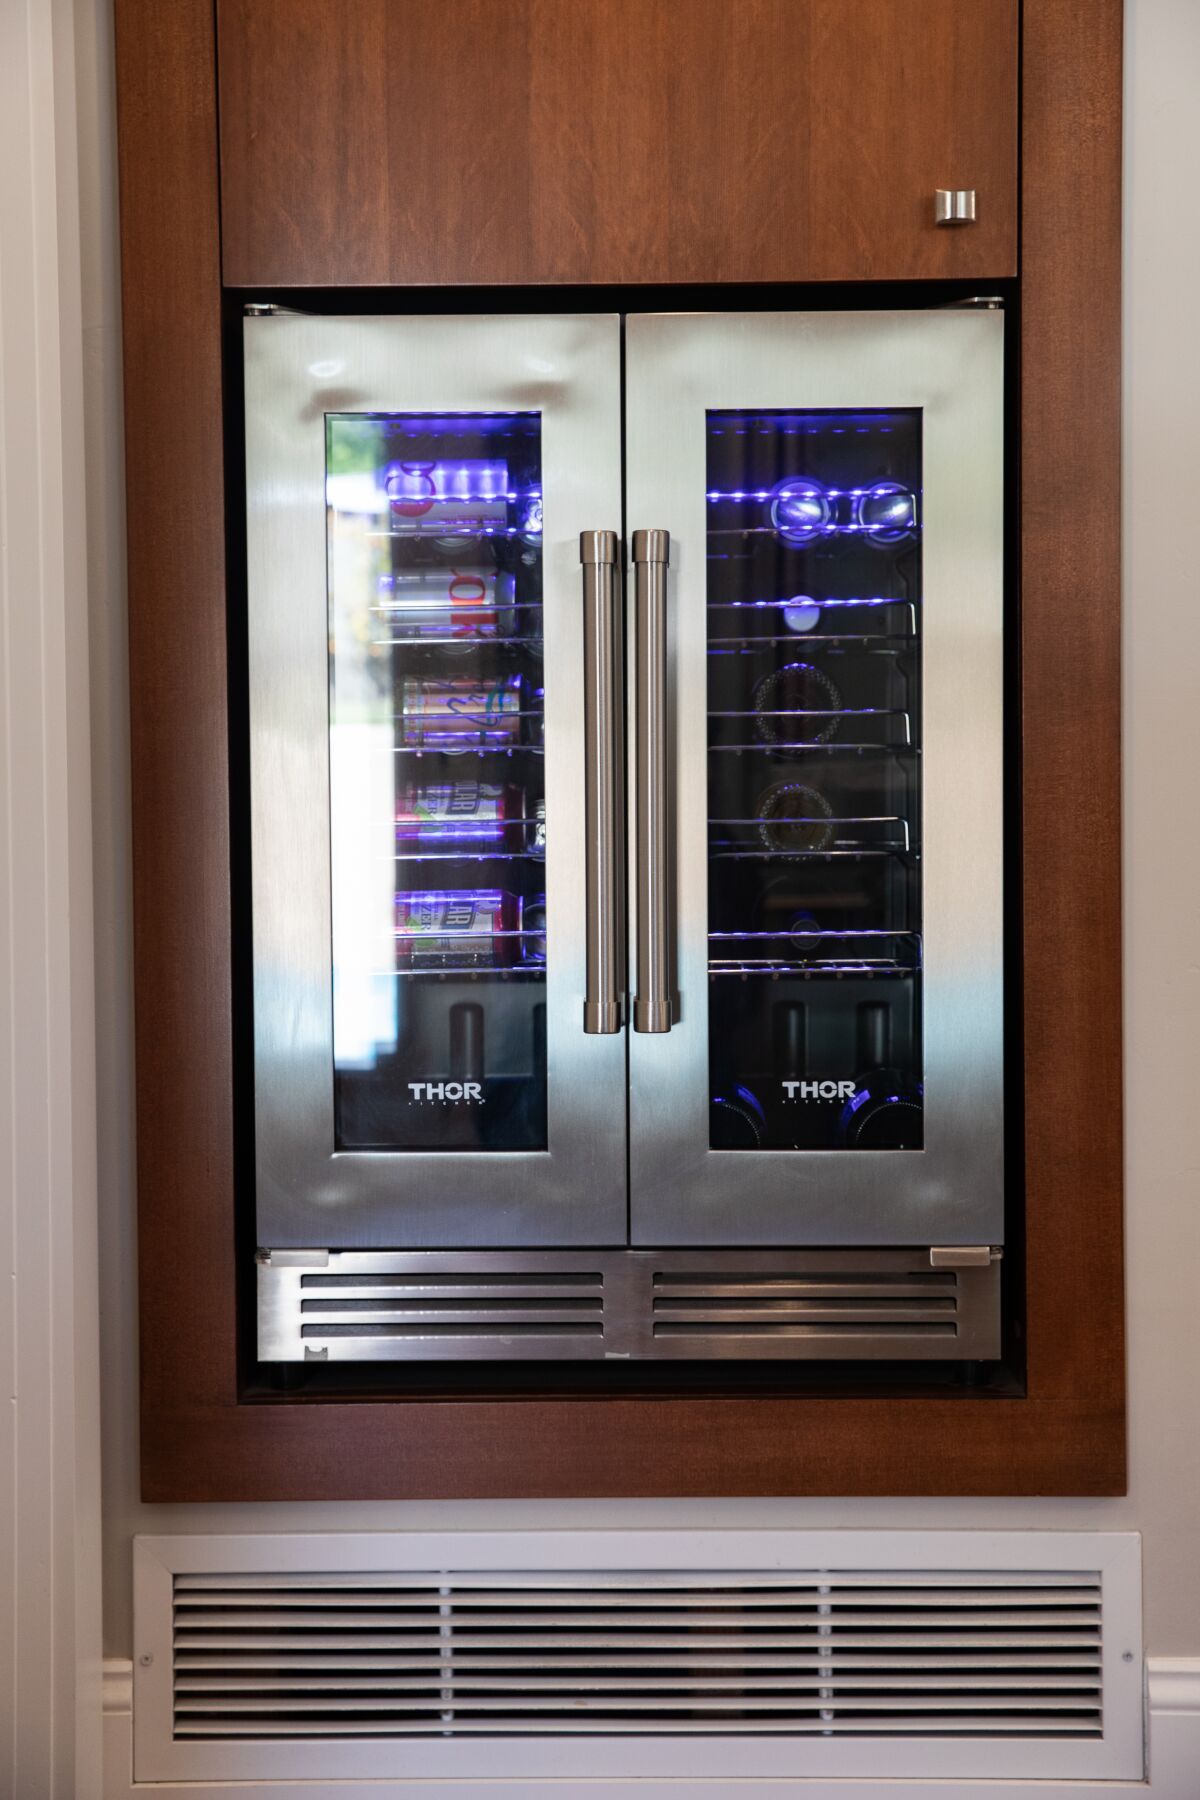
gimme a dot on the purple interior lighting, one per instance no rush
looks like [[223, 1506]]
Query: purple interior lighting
[[456, 831], [803, 600]]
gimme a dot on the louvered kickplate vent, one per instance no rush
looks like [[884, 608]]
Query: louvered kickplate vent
[[353, 1306], [844, 1305], [767, 1667]]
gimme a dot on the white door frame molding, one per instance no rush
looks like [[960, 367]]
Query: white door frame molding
[[50, 1649]]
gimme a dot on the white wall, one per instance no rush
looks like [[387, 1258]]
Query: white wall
[[1162, 872], [50, 1630]]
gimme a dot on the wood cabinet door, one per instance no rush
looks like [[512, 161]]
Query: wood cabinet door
[[381, 142]]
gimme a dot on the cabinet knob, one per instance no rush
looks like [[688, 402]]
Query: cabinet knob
[[955, 206]]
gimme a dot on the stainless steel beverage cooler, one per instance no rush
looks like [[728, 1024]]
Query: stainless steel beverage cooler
[[627, 740]]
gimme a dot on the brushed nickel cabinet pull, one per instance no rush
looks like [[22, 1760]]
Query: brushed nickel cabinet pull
[[955, 206]]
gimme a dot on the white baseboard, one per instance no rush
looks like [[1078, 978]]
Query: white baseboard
[[1173, 1696]]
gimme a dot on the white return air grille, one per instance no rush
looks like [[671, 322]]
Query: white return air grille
[[422, 1670], [327, 1655]]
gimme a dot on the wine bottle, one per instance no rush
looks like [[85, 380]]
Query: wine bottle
[[736, 1120], [794, 819], [789, 1038], [800, 510], [797, 704], [885, 1110], [466, 1041]]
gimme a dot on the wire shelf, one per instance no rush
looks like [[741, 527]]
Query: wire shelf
[[883, 643], [468, 972], [819, 534], [876, 835], [785, 953], [457, 750], [774, 969], [469, 855], [463, 640]]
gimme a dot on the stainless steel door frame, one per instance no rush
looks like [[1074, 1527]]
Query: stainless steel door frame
[[298, 369], [948, 364]]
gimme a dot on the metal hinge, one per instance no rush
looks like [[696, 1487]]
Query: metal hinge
[[293, 1259], [963, 1256], [266, 309]]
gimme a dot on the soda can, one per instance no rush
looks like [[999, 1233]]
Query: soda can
[[467, 928], [454, 604], [533, 930], [535, 836], [460, 713], [467, 498], [477, 814]]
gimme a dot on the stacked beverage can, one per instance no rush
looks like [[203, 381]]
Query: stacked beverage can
[[469, 928], [459, 713], [448, 499], [449, 603], [476, 814]]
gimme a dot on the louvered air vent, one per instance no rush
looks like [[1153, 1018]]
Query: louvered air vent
[[846, 1304], [691, 1655], [471, 1306], [377, 1655], [439, 1305]]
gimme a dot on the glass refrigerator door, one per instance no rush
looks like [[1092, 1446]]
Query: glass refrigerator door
[[417, 492], [831, 813]]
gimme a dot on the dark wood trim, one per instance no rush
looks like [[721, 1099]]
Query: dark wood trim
[[179, 738], [199, 1441], [1071, 699]]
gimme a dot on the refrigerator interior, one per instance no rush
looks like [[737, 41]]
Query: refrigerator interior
[[437, 791], [814, 747]]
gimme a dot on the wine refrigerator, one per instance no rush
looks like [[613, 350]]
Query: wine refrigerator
[[626, 722]]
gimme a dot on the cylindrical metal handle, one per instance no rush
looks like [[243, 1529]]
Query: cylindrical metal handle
[[652, 1006], [603, 910]]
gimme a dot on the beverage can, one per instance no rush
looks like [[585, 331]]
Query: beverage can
[[535, 836], [449, 603], [465, 498], [476, 814], [533, 929], [460, 713], [466, 928]]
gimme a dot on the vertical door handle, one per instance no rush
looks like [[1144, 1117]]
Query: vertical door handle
[[603, 909], [652, 1006]]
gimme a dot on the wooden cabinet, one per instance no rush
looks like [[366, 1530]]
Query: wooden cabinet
[[390, 142], [524, 141]]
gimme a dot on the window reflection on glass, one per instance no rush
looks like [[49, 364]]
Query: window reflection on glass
[[814, 740], [437, 792]]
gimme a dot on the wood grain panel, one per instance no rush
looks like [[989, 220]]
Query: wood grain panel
[[1071, 651], [523, 141], [530, 1449], [179, 726]]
